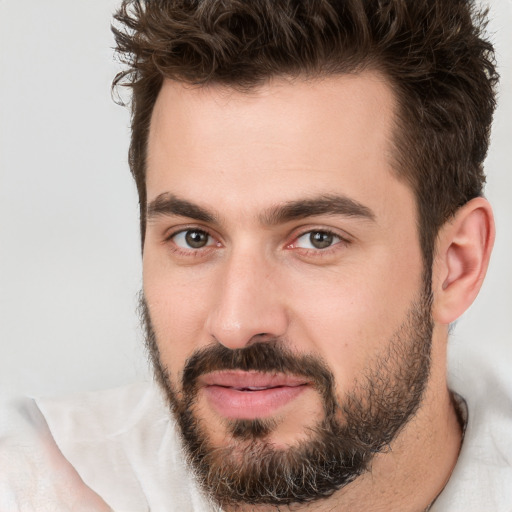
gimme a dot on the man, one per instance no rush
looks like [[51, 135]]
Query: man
[[310, 182]]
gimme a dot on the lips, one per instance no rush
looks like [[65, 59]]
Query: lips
[[250, 395]]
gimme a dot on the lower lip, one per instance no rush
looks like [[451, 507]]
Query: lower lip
[[235, 404]]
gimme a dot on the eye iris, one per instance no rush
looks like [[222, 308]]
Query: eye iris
[[196, 239], [320, 239]]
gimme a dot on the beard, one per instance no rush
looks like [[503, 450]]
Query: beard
[[355, 425]]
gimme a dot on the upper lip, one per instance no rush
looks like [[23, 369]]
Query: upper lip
[[238, 379]]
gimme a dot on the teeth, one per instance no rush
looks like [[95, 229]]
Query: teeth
[[252, 388]]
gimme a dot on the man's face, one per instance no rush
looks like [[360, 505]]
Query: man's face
[[283, 275]]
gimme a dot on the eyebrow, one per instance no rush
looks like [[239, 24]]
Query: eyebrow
[[323, 205], [171, 205]]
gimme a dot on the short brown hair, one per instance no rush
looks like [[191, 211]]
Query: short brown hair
[[432, 52]]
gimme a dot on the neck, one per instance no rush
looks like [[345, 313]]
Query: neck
[[414, 471]]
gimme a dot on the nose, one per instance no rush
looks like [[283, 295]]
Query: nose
[[248, 304]]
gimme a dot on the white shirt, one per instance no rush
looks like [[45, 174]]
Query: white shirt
[[118, 450]]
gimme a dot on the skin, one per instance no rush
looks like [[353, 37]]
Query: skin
[[240, 155]]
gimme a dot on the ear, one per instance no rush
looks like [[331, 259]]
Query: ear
[[463, 250]]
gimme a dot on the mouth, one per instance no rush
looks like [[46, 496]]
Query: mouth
[[250, 395]]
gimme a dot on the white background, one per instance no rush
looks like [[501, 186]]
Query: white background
[[69, 244]]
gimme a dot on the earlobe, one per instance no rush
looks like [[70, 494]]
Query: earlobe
[[463, 251]]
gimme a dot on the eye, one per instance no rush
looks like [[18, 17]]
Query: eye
[[192, 239], [316, 240]]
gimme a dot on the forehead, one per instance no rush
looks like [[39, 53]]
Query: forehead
[[284, 139]]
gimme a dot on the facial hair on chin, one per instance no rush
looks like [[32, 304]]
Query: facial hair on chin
[[355, 427]]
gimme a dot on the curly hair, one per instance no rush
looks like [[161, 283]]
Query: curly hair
[[433, 53]]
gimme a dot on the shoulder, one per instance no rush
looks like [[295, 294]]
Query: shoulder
[[120, 443], [481, 478], [33, 472]]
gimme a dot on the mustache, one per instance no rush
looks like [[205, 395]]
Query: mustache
[[269, 356]]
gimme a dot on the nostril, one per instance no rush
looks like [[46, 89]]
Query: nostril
[[262, 336]]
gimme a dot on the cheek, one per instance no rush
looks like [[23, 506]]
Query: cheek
[[349, 318], [178, 306]]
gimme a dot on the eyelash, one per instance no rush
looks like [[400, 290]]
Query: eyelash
[[315, 252], [190, 251]]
